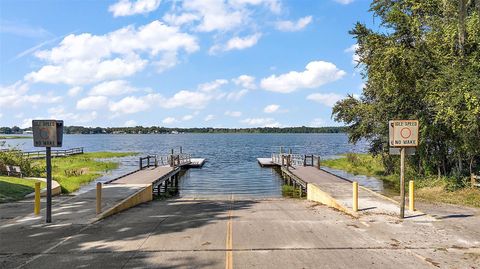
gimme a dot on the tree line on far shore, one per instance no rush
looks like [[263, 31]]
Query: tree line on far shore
[[165, 130]]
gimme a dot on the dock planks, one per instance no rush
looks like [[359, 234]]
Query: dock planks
[[146, 176]]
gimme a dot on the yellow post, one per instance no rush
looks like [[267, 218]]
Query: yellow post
[[99, 198], [411, 196], [36, 208], [355, 196]]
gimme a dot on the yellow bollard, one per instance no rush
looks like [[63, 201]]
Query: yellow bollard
[[411, 196], [355, 196], [36, 207], [99, 198]]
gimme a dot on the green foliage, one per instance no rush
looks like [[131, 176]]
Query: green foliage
[[431, 188], [73, 171], [424, 63], [15, 158], [363, 164], [291, 192], [12, 188]]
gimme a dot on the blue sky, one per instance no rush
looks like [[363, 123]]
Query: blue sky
[[196, 63]]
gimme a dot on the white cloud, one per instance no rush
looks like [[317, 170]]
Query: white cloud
[[290, 26], [128, 8], [16, 95], [316, 74], [71, 118], [112, 88], [237, 43], [169, 120], [233, 113], [82, 72], [328, 99], [92, 103], [188, 99], [129, 105], [26, 123], [247, 82], [209, 117], [353, 49], [130, 123], [184, 98], [261, 122], [74, 91], [214, 14], [212, 86], [181, 19], [271, 108], [187, 117], [87, 58], [274, 5], [236, 95], [344, 2]]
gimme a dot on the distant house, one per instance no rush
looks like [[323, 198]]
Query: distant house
[[27, 132], [174, 132]]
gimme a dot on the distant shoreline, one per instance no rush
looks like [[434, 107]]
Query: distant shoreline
[[164, 130]]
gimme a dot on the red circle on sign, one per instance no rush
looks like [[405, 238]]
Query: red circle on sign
[[405, 133], [44, 133]]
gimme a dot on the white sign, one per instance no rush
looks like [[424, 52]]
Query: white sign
[[47, 133], [403, 133]]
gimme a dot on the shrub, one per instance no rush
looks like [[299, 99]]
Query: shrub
[[15, 157]]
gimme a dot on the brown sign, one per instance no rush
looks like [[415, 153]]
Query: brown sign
[[403, 133], [47, 133]]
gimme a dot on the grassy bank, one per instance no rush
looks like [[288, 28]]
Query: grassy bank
[[12, 188], [73, 171], [430, 189], [291, 192]]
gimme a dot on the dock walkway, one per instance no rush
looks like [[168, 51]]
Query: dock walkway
[[304, 172], [120, 193]]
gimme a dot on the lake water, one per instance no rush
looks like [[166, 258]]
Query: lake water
[[231, 166]]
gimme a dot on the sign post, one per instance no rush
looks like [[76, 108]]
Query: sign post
[[48, 134], [403, 134]]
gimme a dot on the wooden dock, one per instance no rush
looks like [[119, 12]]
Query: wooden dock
[[160, 171], [266, 162], [304, 173]]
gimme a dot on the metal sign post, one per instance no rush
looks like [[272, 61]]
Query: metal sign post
[[48, 134], [403, 135]]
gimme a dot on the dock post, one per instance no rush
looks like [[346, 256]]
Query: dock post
[[36, 208], [355, 196], [304, 160], [281, 150], [411, 196], [181, 150], [140, 161], [99, 198], [318, 162], [289, 151]]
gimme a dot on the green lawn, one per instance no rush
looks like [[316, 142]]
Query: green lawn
[[13, 188], [73, 171], [363, 164], [427, 188]]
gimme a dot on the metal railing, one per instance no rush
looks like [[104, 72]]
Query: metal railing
[[293, 160], [179, 159], [151, 160], [55, 153], [173, 160]]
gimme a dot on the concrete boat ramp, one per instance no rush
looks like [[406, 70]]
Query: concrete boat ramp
[[235, 232]]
